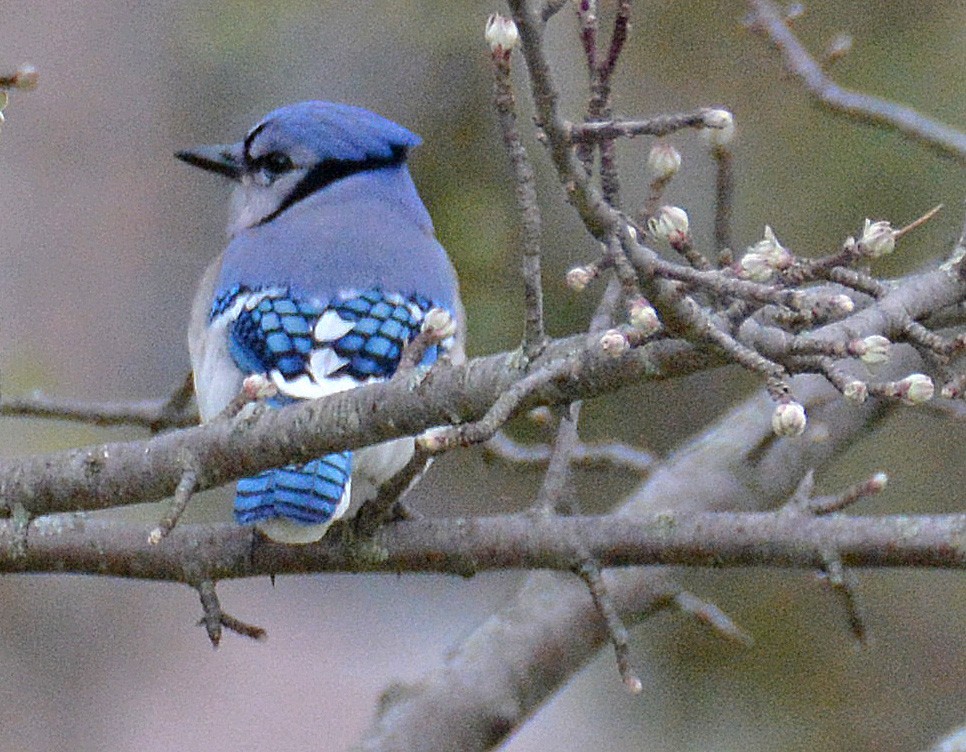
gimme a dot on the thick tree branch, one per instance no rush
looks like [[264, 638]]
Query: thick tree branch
[[138, 471], [192, 553]]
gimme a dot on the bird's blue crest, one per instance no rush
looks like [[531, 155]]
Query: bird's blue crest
[[335, 131]]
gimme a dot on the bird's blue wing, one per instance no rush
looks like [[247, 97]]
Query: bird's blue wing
[[309, 349]]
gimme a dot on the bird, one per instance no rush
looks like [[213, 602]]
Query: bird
[[331, 267]]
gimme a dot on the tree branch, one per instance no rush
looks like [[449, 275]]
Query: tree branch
[[863, 107], [192, 553], [132, 472]]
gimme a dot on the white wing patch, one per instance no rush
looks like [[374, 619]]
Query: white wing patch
[[323, 363], [331, 326]]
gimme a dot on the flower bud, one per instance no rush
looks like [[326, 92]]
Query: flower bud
[[579, 277], [501, 34], [878, 482], [778, 256], [916, 388], [614, 343], [877, 239], [440, 322], [541, 416], [788, 419], [755, 266], [873, 350], [856, 391], [842, 304], [257, 386], [839, 47], [720, 128], [643, 317], [433, 440], [765, 257], [670, 223], [664, 161], [952, 389]]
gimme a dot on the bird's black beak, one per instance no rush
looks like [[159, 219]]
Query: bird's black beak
[[223, 159]]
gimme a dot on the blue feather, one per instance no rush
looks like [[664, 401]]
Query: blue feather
[[274, 333]]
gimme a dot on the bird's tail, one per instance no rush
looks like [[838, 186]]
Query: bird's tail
[[311, 496]]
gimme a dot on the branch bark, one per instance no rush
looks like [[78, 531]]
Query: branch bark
[[76, 544], [138, 471]]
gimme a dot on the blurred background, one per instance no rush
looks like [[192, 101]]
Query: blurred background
[[104, 234]]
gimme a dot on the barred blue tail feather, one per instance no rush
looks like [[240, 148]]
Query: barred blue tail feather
[[316, 493], [329, 272]]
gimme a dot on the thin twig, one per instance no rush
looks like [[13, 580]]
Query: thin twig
[[182, 495], [499, 412], [214, 618], [917, 222], [618, 37], [552, 8], [556, 488], [600, 105], [611, 455], [437, 326], [155, 414], [387, 503], [846, 585], [556, 493], [723, 198], [660, 125], [842, 581], [860, 106], [590, 573], [534, 336], [709, 614]]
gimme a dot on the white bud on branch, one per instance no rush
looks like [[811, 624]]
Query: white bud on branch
[[789, 419], [720, 130], [856, 391], [579, 277], [764, 258], [501, 34], [643, 317], [916, 388], [873, 350], [439, 323], [614, 343], [663, 161], [670, 223], [878, 239]]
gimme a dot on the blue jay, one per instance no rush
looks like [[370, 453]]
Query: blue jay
[[331, 267]]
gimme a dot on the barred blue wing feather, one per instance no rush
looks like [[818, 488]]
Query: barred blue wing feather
[[311, 350]]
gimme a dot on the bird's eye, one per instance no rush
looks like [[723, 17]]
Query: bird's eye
[[274, 163]]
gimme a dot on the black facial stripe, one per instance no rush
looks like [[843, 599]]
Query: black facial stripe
[[332, 170], [251, 137]]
